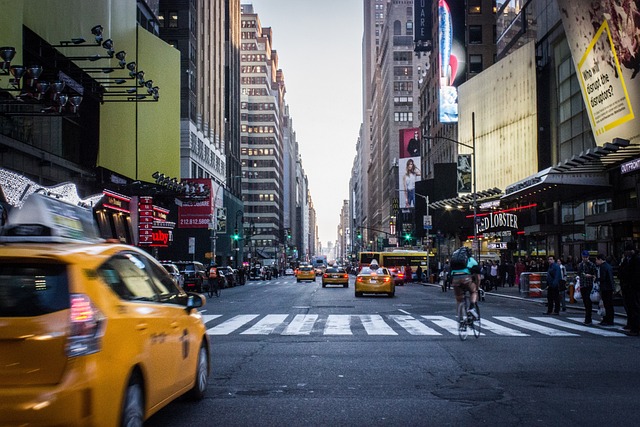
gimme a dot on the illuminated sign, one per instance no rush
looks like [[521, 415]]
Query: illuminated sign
[[422, 23], [451, 39], [497, 245], [631, 166], [197, 213], [497, 220], [160, 238], [145, 226], [116, 201]]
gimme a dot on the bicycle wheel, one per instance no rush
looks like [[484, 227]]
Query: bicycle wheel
[[217, 288], [462, 320], [476, 324]]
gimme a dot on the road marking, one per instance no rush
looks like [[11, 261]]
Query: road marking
[[413, 325], [374, 324], [450, 325], [232, 324], [302, 324], [266, 325], [338, 324], [206, 318], [582, 328], [534, 327], [500, 330]]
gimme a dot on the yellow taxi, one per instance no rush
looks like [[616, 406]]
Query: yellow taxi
[[91, 333], [335, 276], [374, 280], [305, 272]]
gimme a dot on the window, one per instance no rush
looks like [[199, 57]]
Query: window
[[161, 19], [402, 71], [403, 116], [402, 56], [173, 19], [475, 34], [409, 28], [397, 28], [475, 7], [475, 63]]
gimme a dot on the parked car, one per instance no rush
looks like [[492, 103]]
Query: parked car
[[194, 274], [88, 333], [255, 273], [174, 272], [289, 272]]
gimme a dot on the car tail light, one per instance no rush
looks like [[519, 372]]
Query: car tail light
[[359, 279], [345, 276], [400, 275], [87, 327], [325, 275], [387, 279]]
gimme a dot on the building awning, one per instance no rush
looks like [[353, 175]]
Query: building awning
[[466, 199], [582, 174], [551, 185]]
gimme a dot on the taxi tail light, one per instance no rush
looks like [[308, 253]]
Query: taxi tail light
[[345, 276], [359, 279], [87, 325], [387, 279], [325, 275], [400, 275]]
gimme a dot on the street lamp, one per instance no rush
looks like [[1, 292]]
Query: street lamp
[[472, 147]]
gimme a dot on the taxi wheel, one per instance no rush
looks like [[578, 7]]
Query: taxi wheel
[[201, 376], [324, 285], [133, 403], [358, 294], [346, 285]]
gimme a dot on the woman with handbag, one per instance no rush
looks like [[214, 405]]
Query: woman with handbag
[[587, 273]]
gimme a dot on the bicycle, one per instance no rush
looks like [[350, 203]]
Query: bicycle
[[466, 320]]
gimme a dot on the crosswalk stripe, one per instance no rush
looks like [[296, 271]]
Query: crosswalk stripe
[[501, 330], [534, 327], [302, 324], [206, 318], [449, 325], [580, 320], [413, 325], [266, 325], [582, 328], [338, 324], [232, 324], [374, 324]]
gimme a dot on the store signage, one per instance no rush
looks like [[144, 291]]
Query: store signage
[[160, 238], [631, 166], [116, 202], [196, 213], [523, 184], [497, 245], [145, 227], [497, 220]]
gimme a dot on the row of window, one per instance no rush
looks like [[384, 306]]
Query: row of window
[[258, 117], [255, 91], [253, 69], [171, 20], [248, 24], [403, 116], [264, 164], [257, 151], [403, 71], [258, 106], [207, 155], [257, 140], [258, 129], [253, 80], [253, 57], [248, 46]]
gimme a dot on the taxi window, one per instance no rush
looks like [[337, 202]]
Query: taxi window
[[366, 270], [306, 268], [333, 270], [30, 289], [126, 275]]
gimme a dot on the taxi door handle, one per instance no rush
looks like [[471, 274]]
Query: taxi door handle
[[174, 325], [142, 326]]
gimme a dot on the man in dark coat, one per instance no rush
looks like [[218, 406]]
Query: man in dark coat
[[629, 274], [553, 287], [606, 288]]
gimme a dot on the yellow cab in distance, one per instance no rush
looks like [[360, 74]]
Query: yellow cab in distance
[[305, 272], [335, 276], [374, 279], [91, 333]]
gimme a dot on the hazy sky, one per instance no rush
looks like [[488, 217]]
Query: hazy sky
[[319, 45]]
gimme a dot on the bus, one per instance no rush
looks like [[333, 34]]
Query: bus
[[396, 260], [319, 264]]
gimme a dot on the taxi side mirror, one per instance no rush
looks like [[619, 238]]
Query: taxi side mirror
[[195, 300]]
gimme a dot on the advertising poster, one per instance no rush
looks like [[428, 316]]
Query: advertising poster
[[197, 213], [451, 39], [409, 166], [605, 45], [464, 173], [422, 24]]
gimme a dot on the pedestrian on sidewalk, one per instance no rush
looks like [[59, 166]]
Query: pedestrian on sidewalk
[[629, 274], [520, 268], [587, 272], [419, 274], [606, 288], [563, 285], [553, 285]]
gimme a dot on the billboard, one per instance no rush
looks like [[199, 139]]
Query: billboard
[[408, 166], [604, 38], [423, 25], [197, 213], [464, 173], [451, 39]]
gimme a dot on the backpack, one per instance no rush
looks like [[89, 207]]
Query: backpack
[[459, 259], [213, 273]]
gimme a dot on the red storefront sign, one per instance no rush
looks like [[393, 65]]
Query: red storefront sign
[[145, 226], [197, 213]]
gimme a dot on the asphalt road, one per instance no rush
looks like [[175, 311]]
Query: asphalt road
[[295, 354]]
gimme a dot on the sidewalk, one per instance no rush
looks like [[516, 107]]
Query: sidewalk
[[513, 292]]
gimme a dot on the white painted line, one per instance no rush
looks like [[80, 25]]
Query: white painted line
[[206, 318], [302, 324], [225, 328], [582, 328], [374, 324], [403, 311], [449, 325], [500, 330], [534, 327], [338, 324], [413, 325], [266, 325]]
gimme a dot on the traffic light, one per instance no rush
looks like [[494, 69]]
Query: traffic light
[[407, 236], [288, 233], [235, 236], [359, 233]]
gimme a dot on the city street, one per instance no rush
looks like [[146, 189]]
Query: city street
[[287, 353]]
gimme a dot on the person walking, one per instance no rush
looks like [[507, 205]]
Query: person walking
[[629, 274], [419, 274], [587, 273], [553, 285], [520, 268], [563, 285], [606, 289], [408, 274]]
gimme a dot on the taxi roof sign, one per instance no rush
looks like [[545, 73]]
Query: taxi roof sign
[[47, 219]]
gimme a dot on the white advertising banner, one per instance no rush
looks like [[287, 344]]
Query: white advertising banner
[[605, 45]]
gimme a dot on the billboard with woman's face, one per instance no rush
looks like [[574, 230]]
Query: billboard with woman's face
[[408, 166]]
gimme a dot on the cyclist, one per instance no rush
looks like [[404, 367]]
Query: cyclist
[[466, 277], [214, 277]]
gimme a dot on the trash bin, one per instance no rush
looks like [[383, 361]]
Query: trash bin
[[535, 289], [524, 283]]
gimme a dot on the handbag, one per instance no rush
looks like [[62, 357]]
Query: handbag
[[595, 293], [577, 295]]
